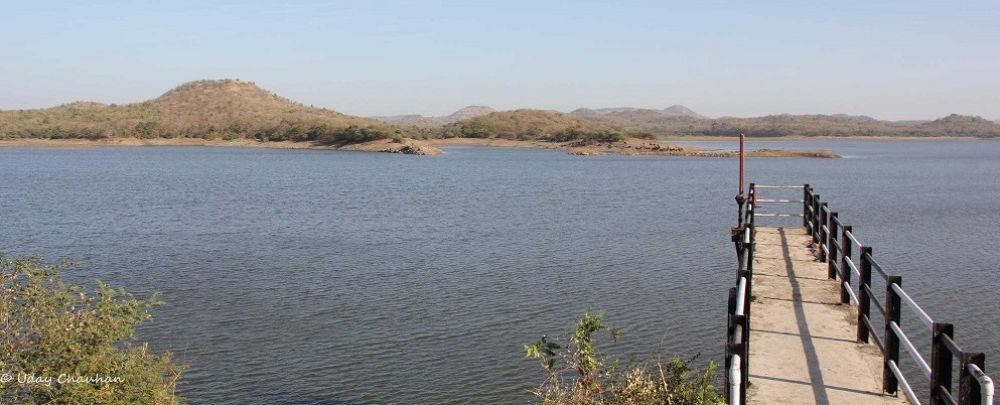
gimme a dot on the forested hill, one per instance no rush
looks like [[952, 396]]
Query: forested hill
[[211, 109], [526, 124], [659, 123]]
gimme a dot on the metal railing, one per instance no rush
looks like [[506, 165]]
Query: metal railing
[[738, 320], [835, 244]]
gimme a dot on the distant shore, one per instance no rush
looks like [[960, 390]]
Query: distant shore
[[701, 138], [384, 145], [631, 146]]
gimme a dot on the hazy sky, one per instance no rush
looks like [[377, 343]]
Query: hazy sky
[[890, 60]]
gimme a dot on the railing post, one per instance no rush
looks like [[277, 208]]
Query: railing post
[[822, 234], [968, 386], [845, 270], [940, 360], [892, 312], [864, 300], [831, 256], [815, 219], [806, 192]]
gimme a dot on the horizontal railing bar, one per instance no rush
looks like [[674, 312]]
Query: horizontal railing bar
[[741, 291], [837, 221], [851, 293], [902, 381], [827, 251], [735, 379], [836, 265], [850, 264], [876, 266], [910, 348], [777, 215], [835, 244], [871, 332], [776, 186], [943, 393], [920, 311], [825, 229], [850, 235], [873, 299], [772, 200], [951, 345]]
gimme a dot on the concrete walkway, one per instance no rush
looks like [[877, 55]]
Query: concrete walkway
[[802, 340]]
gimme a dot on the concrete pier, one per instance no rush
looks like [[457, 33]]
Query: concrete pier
[[803, 348]]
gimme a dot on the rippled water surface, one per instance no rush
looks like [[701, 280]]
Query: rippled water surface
[[297, 276]]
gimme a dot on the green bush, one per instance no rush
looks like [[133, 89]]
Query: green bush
[[352, 134], [478, 127], [78, 345], [588, 136], [577, 374]]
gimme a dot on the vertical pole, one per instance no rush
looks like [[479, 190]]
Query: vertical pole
[[741, 163], [822, 234], [968, 386], [806, 192], [864, 300], [940, 361], [845, 270], [740, 196], [892, 306], [831, 238]]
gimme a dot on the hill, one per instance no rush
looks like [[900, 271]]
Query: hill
[[209, 109], [528, 124], [631, 114], [426, 122], [961, 125], [655, 122], [678, 110]]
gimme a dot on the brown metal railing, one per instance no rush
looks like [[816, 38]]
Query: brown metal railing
[[835, 243], [738, 319]]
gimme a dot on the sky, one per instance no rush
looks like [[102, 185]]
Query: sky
[[893, 60]]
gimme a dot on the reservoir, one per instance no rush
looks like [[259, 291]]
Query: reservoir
[[319, 277]]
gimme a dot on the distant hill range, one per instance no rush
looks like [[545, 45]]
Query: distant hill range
[[231, 109], [673, 111], [679, 121], [420, 120]]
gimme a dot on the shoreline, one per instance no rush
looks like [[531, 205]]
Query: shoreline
[[629, 147], [703, 138]]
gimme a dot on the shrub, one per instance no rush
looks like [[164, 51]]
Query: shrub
[[478, 127], [51, 329], [585, 378]]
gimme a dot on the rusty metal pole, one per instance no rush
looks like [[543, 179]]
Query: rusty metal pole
[[740, 196]]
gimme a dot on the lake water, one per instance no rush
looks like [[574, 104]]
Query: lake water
[[301, 276]]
